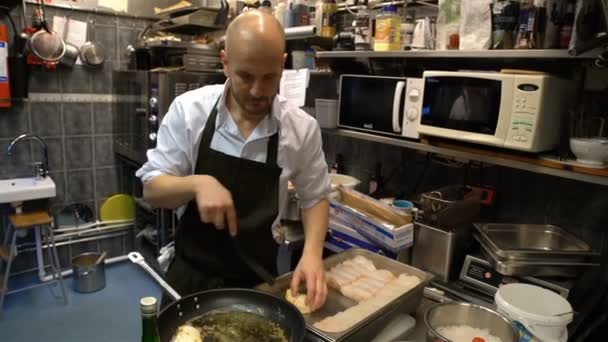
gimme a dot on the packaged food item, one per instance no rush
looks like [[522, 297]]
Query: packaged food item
[[361, 29], [325, 15], [475, 25], [555, 11], [448, 24], [407, 32], [530, 22], [505, 14]]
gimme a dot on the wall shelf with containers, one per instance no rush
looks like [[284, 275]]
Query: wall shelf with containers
[[532, 163], [511, 54]]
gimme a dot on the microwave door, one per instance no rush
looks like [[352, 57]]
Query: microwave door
[[372, 104]]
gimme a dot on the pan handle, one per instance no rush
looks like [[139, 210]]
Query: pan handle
[[138, 259]]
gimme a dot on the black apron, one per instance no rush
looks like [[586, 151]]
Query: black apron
[[205, 257]]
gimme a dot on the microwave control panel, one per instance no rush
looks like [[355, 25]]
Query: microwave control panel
[[412, 108], [526, 106]]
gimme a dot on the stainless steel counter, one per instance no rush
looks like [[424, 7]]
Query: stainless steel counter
[[419, 332]]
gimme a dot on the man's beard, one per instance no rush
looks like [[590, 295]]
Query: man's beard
[[257, 106]]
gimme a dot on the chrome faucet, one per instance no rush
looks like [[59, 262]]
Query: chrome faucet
[[42, 168]]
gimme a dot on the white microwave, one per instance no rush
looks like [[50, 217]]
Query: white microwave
[[380, 104], [515, 111]]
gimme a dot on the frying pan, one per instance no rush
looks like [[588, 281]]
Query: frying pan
[[184, 309]]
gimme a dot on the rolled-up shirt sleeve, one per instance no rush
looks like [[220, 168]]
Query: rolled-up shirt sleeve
[[171, 155], [311, 180]]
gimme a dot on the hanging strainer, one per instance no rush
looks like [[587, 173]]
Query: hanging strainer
[[47, 45]]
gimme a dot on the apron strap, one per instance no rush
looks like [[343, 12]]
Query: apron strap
[[272, 150], [209, 128]]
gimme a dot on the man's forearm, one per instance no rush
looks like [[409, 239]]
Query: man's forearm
[[170, 192], [315, 220]]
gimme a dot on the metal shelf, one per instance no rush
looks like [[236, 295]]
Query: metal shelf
[[511, 163], [178, 45], [516, 54]]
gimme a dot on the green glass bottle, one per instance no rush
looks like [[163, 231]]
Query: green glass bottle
[[149, 312]]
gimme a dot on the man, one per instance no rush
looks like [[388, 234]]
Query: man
[[226, 153]]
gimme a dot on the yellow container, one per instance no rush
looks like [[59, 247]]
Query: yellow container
[[388, 30]]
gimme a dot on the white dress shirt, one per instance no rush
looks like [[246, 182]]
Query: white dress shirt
[[300, 153]]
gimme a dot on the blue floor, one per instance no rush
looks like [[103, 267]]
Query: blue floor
[[111, 314]]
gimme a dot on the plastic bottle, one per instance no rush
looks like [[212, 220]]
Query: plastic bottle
[[290, 15], [388, 30], [361, 26], [565, 33], [279, 12], [505, 16], [301, 13], [407, 32], [326, 18]]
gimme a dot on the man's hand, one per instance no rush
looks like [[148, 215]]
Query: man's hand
[[215, 203], [310, 269]]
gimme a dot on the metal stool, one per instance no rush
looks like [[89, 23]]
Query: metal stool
[[42, 222]]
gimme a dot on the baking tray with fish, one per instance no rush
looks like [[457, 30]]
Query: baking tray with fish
[[533, 268], [531, 241], [336, 302]]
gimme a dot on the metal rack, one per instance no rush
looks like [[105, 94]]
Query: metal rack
[[495, 160]]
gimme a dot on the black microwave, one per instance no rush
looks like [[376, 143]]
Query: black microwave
[[379, 104]]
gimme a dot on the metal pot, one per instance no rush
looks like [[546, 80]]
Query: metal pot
[[91, 53], [476, 316], [89, 272], [71, 55]]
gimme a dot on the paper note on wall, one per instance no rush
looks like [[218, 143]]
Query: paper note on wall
[[293, 86], [117, 5], [59, 24], [76, 34]]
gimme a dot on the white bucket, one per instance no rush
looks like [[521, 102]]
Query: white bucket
[[544, 313], [327, 113]]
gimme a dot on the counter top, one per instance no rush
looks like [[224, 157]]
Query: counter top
[[419, 332]]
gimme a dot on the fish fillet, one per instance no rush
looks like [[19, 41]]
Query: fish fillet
[[187, 333], [361, 262], [366, 286], [356, 293], [389, 291], [341, 275], [348, 271], [299, 301]]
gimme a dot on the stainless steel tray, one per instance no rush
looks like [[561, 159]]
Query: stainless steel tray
[[526, 241], [364, 330], [533, 268]]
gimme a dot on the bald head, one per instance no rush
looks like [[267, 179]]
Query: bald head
[[255, 32], [253, 62]]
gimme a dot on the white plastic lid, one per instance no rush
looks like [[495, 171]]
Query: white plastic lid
[[534, 304], [345, 180]]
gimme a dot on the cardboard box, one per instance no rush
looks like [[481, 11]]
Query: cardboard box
[[391, 238], [341, 237]]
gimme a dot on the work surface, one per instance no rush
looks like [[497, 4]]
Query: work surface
[[111, 314]]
